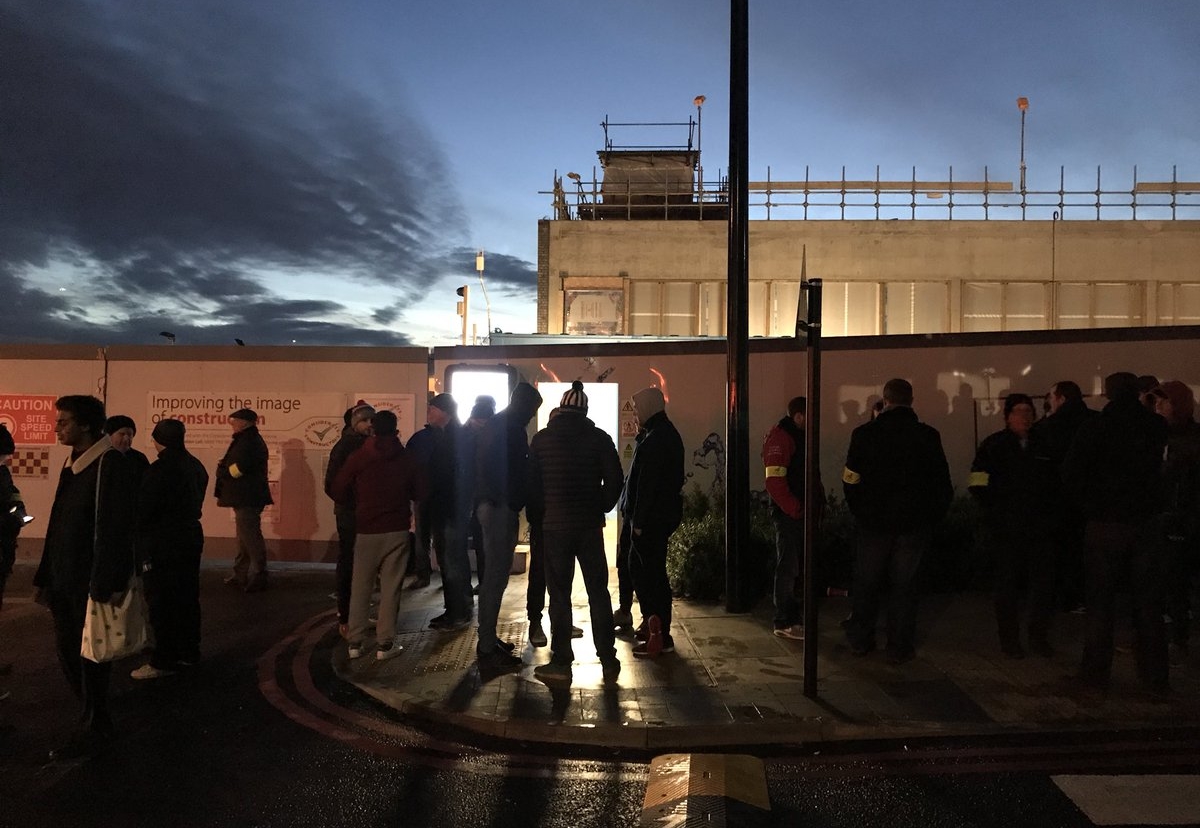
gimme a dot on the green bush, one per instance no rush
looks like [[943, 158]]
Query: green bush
[[696, 551]]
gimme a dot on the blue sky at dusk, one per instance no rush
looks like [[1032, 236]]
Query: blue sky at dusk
[[324, 171]]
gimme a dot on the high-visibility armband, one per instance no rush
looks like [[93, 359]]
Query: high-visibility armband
[[850, 477], [978, 479], [234, 471], [776, 471]]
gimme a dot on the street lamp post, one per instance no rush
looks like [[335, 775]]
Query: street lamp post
[[1023, 105], [486, 304]]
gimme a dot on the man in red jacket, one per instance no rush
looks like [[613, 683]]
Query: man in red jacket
[[383, 481], [783, 456]]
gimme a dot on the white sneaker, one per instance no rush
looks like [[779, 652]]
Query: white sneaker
[[354, 650], [795, 632], [149, 671], [387, 649]]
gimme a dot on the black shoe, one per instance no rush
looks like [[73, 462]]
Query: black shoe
[[498, 659], [902, 655], [258, 584], [862, 648], [439, 621], [235, 581], [420, 582], [610, 669], [506, 646]]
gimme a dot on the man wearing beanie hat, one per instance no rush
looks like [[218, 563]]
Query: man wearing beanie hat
[[242, 485], [170, 539], [1180, 521], [1014, 480], [651, 507], [1113, 471], [501, 480], [574, 479], [357, 430]]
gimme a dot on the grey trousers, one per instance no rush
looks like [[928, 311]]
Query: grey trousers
[[251, 560], [385, 554]]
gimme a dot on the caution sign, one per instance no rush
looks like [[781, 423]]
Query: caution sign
[[29, 417], [31, 463]]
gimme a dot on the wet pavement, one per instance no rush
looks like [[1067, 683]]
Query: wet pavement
[[732, 682]]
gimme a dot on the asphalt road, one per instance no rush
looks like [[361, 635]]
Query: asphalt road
[[262, 734]]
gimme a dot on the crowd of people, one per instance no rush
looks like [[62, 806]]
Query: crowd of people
[[1074, 505]]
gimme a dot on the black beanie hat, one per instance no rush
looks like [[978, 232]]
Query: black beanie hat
[[169, 433], [7, 446], [1013, 400]]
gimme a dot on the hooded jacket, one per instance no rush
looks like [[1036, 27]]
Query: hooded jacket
[[384, 481], [652, 500]]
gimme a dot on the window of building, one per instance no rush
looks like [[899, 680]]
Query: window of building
[[1099, 305], [712, 309], [783, 307], [1004, 306], [1178, 304], [850, 309], [679, 309], [644, 308], [916, 307]]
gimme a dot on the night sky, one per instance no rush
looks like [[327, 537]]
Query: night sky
[[323, 172]]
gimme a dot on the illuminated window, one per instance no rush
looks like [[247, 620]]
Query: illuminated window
[[916, 307], [1178, 304], [1004, 306]]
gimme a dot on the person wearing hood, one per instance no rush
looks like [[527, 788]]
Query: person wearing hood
[[357, 430], [170, 541], [574, 479], [88, 553], [651, 507], [1176, 403], [1113, 471], [501, 481], [384, 483]]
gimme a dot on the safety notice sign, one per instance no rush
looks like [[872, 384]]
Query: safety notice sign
[[29, 417]]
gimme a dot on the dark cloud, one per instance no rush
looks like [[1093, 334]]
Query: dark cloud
[[502, 273], [177, 156]]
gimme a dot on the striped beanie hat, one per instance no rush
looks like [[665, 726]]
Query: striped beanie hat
[[574, 399]]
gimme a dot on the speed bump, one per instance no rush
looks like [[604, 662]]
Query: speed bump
[[710, 789]]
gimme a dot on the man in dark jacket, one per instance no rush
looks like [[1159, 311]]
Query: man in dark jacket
[[1180, 521], [242, 485], [897, 485], [574, 479], [170, 542], [1113, 470], [385, 483], [1014, 481], [442, 518], [121, 429], [1066, 412], [783, 456], [355, 433], [88, 552], [501, 480], [651, 506]]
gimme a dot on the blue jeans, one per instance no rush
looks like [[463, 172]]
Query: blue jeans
[[499, 525], [562, 548]]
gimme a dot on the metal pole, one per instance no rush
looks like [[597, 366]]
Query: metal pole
[[812, 484], [737, 429]]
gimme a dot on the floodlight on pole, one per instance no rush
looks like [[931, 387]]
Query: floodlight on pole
[[464, 308], [1023, 105], [486, 303], [699, 102], [167, 335]]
